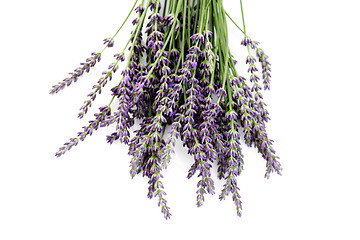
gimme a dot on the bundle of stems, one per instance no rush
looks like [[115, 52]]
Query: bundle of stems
[[180, 82]]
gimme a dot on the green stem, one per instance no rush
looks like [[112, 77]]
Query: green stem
[[226, 47], [201, 17], [182, 52], [156, 22], [196, 18], [189, 23], [213, 73], [242, 15], [234, 22], [163, 132], [122, 24], [211, 23], [164, 10], [243, 19]]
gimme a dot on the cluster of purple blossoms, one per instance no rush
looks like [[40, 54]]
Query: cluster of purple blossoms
[[109, 42], [182, 74], [263, 60]]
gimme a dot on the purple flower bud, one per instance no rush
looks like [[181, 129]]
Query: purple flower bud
[[252, 68], [221, 93], [109, 42], [250, 59], [135, 21], [246, 41], [140, 9]]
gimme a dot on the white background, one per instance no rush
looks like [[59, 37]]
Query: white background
[[88, 193]]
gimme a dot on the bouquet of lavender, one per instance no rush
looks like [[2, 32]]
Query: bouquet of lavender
[[181, 74]]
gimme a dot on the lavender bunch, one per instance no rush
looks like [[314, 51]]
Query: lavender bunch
[[181, 74]]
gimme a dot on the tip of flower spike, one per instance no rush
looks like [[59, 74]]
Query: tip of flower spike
[[61, 85], [109, 42], [167, 215], [120, 56], [81, 114], [58, 154], [246, 41]]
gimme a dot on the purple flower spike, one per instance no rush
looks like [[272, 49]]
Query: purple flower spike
[[98, 88], [78, 72], [263, 59], [102, 119], [140, 9]]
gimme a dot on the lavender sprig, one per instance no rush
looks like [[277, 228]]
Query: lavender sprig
[[102, 119], [78, 72], [100, 84], [182, 74]]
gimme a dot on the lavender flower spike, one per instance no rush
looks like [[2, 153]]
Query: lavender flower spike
[[102, 119], [85, 67]]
